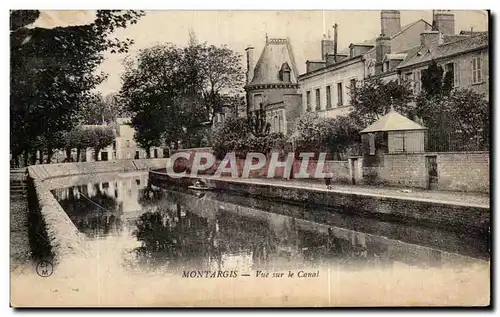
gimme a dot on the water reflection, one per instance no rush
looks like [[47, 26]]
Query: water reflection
[[179, 229]]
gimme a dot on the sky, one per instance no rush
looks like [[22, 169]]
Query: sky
[[239, 29]]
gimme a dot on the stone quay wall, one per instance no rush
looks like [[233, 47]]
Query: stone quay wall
[[455, 216], [62, 235], [456, 171]]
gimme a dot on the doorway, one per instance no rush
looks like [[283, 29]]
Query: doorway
[[104, 156], [354, 170], [432, 171]]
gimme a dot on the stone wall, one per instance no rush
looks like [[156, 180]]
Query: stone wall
[[463, 218], [340, 169], [457, 171], [64, 238], [468, 171]]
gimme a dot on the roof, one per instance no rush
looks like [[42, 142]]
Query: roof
[[447, 49], [393, 121], [372, 41], [274, 55]]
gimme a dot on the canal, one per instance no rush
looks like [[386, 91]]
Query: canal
[[173, 230], [145, 246]]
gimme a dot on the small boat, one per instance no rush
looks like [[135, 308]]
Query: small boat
[[199, 185]]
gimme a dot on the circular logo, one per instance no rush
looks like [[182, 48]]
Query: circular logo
[[44, 268]]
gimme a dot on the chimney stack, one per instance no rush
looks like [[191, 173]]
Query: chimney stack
[[390, 22], [250, 66], [444, 21], [326, 46], [382, 47], [335, 42], [430, 39]]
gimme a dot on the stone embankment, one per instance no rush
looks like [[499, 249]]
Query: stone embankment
[[61, 235], [456, 211]]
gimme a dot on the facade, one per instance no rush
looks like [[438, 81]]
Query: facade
[[327, 84], [465, 58], [399, 53], [124, 146], [272, 84]]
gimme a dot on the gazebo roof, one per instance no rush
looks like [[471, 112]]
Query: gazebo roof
[[393, 121]]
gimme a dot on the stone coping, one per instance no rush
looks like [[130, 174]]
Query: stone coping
[[64, 237]]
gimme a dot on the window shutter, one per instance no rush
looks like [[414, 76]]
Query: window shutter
[[456, 72]]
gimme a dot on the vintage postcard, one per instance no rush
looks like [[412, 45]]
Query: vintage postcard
[[250, 158]]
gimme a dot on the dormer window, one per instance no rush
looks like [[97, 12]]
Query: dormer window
[[285, 72]]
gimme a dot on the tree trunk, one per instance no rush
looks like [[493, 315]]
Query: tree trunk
[[148, 152], [96, 154], [16, 160], [25, 158], [68, 154], [40, 158], [33, 157], [50, 152], [78, 153]]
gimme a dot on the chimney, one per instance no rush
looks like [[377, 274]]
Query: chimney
[[250, 67], [326, 47], [390, 22], [430, 39], [382, 47], [335, 42], [444, 21]]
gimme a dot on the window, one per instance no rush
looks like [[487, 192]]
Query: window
[[399, 142], [456, 78], [128, 143], [114, 145], [371, 140], [408, 77], [417, 80], [308, 101], [340, 94], [257, 101], [353, 89], [318, 99], [476, 70], [328, 97]]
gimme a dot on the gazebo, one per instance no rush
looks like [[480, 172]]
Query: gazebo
[[403, 135]]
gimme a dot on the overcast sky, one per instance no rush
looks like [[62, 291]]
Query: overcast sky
[[238, 29]]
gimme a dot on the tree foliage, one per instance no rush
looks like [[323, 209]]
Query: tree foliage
[[433, 81], [53, 72], [180, 89], [373, 98], [100, 138], [458, 121], [235, 135], [332, 135]]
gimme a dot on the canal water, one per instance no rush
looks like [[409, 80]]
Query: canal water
[[177, 230]]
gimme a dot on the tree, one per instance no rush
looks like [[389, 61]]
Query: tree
[[258, 123], [374, 98], [100, 110], [100, 138], [230, 137], [344, 134], [459, 121], [151, 91], [433, 83], [53, 72], [312, 133], [211, 73]]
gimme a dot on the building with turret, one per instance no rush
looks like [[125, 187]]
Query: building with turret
[[272, 85]]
